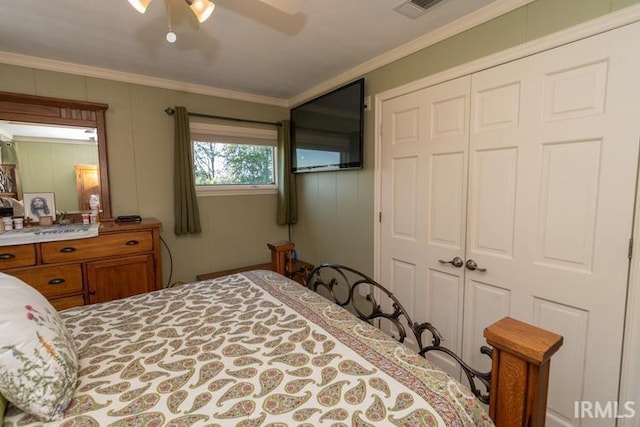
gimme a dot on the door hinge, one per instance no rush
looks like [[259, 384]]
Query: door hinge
[[630, 253], [379, 216]]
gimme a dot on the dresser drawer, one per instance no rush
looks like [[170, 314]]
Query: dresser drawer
[[54, 281], [17, 256], [67, 302], [107, 245]]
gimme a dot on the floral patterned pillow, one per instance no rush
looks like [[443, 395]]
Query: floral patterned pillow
[[38, 358]]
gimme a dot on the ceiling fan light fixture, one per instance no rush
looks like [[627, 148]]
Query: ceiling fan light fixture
[[201, 8], [171, 37], [140, 5]]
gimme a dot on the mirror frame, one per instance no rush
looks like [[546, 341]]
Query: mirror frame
[[39, 109]]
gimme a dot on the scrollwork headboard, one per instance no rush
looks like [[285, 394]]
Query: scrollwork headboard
[[343, 285], [517, 384]]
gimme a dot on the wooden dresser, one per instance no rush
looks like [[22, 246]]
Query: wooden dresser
[[123, 260]]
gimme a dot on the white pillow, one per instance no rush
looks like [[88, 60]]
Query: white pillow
[[38, 357]]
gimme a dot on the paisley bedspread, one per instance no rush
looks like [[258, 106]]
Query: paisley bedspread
[[251, 349]]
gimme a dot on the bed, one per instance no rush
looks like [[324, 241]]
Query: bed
[[249, 349]]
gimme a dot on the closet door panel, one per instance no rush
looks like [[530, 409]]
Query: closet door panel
[[569, 322], [403, 286], [492, 207], [446, 171], [403, 202], [448, 116], [577, 149], [486, 304], [568, 204], [424, 159], [444, 293], [499, 124], [577, 91], [445, 203], [587, 145], [404, 177], [497, 107]]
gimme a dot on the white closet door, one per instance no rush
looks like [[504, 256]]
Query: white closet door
[[499, 121], [424, 145], [552, 163], [553, 159]]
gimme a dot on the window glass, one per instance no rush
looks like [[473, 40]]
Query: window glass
[[233, 160], [218, 163]]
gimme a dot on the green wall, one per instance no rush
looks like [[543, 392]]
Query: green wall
[[336, 208], [50, 167], [336, 218], [140, 154]]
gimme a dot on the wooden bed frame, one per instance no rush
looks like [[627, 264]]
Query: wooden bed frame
[[515, 388]]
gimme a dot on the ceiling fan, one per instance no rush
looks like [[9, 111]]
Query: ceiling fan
[[202, 9]]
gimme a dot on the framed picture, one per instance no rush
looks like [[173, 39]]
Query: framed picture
[[9, 181], [39, 204]]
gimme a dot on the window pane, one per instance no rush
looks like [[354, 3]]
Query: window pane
[[233, 164]]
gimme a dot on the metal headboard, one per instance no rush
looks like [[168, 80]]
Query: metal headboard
[[341, 284]]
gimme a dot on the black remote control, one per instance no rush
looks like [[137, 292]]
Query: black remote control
[[128, 218]]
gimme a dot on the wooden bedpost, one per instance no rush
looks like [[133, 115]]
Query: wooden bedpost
[[279, 256], [520, 372], [283, 262]]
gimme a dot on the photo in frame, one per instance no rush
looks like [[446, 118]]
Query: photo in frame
[[9, 181], [38, 205]]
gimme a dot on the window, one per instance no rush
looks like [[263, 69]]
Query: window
[[230, 160]]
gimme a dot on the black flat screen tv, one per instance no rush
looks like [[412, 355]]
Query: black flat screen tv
[[327, 132]]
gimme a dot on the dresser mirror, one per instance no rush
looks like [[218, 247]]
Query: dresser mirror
[[51, 145]]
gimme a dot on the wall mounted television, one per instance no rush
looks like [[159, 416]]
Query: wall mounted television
[[327, 132]]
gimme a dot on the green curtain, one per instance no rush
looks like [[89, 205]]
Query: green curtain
[[186, 212], [287, 198]]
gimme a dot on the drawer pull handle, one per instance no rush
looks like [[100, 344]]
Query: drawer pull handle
[[57, 281], [7, 256], [68, 249], [132, 243]]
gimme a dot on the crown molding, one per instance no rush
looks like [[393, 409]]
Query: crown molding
[[491, 11], [480, 16], [140, 79]]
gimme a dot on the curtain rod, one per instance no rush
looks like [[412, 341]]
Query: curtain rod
[[170, 111]]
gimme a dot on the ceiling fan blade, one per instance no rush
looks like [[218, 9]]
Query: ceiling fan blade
[[290, 7]]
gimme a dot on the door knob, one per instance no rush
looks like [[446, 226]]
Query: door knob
[[456, 262], [471, 265]]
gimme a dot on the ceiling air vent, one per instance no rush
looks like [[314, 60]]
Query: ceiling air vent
[[415, 8]]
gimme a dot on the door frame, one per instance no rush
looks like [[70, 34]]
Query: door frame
[[629, 390]]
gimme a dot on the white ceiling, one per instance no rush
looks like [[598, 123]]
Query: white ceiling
[[246, 47]]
